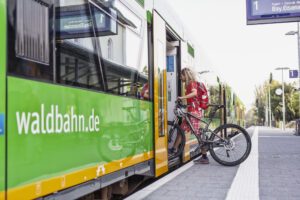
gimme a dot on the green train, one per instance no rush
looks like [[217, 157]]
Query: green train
[[87, 88]]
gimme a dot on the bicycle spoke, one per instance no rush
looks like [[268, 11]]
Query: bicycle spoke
[[236, 153]]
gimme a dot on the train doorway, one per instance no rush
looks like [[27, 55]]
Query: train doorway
[[160, 101], [167, 65]]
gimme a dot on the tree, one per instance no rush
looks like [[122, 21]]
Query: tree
[[260, 104], [291, 101], [251, 117]]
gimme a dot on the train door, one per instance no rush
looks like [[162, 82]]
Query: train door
[[174, 64], [160, 90], [173, 67], [2, 95], [177, 58], [172, 75]]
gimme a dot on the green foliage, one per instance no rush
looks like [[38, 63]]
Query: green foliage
[[291, 102], [260, 103], [214, 98], [214, 94], [234, 107], [261, 100]]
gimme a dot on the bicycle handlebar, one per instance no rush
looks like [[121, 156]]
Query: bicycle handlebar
[[216, 105]]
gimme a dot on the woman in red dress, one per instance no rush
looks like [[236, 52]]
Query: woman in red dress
[[191, 84]]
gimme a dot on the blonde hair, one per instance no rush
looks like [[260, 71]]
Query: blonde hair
[[189, 75]]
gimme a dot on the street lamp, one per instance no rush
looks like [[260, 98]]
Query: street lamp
[[283, 100], [203, 72], [270, 106], [298, 38]]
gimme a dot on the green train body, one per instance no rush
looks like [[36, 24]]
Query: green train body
[[85, 94]]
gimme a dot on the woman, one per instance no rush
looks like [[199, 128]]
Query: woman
[[191, 84]]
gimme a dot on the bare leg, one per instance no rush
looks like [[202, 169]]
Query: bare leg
[[203, 151], [177, 142]]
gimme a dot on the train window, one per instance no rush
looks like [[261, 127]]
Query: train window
[[32, 39], [131, 17], [123, 75], [110, 49], [76, 54], [93, 50], [30, 52]]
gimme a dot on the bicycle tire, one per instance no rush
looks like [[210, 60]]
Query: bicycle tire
[[178, 130], [236, 132]]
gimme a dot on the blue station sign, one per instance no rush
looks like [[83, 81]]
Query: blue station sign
[[272, 11], [293, 73]]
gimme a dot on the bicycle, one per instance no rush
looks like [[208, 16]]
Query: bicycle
[[228, 144]]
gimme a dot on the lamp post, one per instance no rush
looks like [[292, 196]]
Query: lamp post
[[270, 107], [298, 42], [283, 100], [203, 72]]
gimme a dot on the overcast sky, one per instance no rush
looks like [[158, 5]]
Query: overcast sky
[[243, 55]]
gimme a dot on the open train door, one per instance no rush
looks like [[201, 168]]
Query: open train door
[[160, 91], [2, 96]]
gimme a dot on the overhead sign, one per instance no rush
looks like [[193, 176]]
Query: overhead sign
[[293, 73], [76, 22], [272, 11]]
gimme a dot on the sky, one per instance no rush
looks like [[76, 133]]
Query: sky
[[243, 55]]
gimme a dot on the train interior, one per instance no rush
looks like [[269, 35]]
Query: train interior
[[174, 57], [173, 68]]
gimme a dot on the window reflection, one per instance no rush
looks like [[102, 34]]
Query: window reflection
[[76, 54], [93, 50]]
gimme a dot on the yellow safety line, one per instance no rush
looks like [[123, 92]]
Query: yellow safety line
[[48, 186]]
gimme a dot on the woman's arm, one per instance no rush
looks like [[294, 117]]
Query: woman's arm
[[190, 95]]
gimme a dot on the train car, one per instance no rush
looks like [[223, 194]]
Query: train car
[[215, 89], [235, 109], [221, 93], [87, 88]]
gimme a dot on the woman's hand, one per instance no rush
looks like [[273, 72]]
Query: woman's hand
[[180, 98]]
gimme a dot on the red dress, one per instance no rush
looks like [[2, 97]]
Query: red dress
[[192, 107], [145, 90]]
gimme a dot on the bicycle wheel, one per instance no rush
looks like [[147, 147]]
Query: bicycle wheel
[[231, 144], [173, 131]]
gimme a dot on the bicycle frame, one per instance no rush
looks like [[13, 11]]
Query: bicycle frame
[[187, 116], [214, 141], [207, 124]]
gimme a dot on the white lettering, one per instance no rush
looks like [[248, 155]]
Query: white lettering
[[97, 122], [81, 123], [59, 121], [66, 123], [74, 120], [276, 9], [23, 123], [53, 121], [35, 126], [42, 117], [50, 121], [91, 121]]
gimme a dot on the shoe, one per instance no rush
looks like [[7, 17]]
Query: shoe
[[202, 160]]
